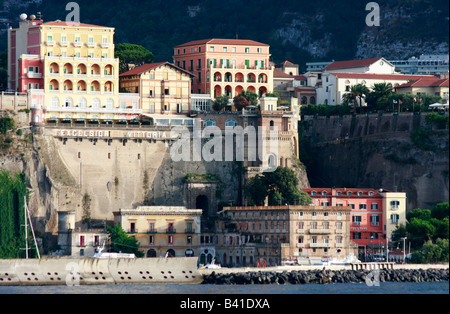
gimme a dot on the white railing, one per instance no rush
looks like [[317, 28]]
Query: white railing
[[319, 231], [320, 244], [94, 110]]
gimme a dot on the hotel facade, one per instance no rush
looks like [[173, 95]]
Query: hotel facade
[[375, 214], [268, 235], [69, 70], [226, 66]]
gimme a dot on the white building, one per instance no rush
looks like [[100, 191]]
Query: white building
[[337, 78]]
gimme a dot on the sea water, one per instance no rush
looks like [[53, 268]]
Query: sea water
[[441, 287]]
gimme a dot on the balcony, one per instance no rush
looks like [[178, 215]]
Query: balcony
[[189, 230], [300, 230], [34, 75], [171, 230], [50, 42], [320, 231], [64, 43], [315, 245], [300, 245], [152, 231], [91, 44], [78, 44], [105, 45]]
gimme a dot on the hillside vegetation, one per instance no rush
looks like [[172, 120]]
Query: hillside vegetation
[[298, 30]]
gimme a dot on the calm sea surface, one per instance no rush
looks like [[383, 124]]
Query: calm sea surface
[[338, 288]]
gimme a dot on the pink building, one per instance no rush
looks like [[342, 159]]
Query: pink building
[[375, 213], [226, 66]]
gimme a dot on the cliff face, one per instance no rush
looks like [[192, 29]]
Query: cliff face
[[379, 153], [96, 178]]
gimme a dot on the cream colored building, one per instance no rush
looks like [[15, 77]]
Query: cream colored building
[[162, 230], [268, 235], [394, 206], [73, 66], [163, 88]]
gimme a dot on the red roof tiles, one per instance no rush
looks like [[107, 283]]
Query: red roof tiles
[[216, 41], [63, 23], [351, 63], [381, 76]]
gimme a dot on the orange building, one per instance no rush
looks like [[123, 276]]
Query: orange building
[[226, 66]]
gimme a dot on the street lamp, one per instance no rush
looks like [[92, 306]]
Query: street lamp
[[404, 253]]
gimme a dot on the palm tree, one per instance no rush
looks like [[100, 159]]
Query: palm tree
[[360, 91]]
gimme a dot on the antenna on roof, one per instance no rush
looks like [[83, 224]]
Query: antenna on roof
[[39, 15]]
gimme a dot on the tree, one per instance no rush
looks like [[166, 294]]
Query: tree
[[256, 188], [131, 54], [280, 186], [244, 99], [220, 102], [360, 91], [440, 211], [380, 93], [120, 242]]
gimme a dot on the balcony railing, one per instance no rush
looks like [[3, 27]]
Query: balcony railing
[[171, 230], [319, 231], [322, 244]]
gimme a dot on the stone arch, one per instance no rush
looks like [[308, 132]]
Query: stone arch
[[151, 253]]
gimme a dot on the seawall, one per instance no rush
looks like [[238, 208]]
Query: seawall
[[333, 274], [71, 271]]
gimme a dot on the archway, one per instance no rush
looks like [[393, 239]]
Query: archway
[[170, 253], [151, 253]]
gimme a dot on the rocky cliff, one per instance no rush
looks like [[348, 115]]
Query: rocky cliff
[[397, 153]]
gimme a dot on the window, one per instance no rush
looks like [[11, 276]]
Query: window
[[170, 239], [189, 227], [82, 240], [247, 50], [395, 204], [211, 49], [224, 49], [394, 218], [359, 193], [325, 204], [313, 193], [362, 206], [374, 220], [166, 91], [170, 227], [151, 239], [356, 220], [339, 225], [209, 122], [231, 122], [314, 225], [151, 227], [374, 206], [324, 193], [356, 235]]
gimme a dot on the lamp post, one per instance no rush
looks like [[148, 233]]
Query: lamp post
[[404, 253]]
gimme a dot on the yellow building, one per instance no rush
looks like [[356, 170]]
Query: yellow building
[[163, 88], [162, 230], [73, 65]]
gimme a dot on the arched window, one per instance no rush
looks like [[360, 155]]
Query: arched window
[[54, 102], [95, 103], [209, 122], [109, 103], [82, 103], [231, 122], [68, 102]]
